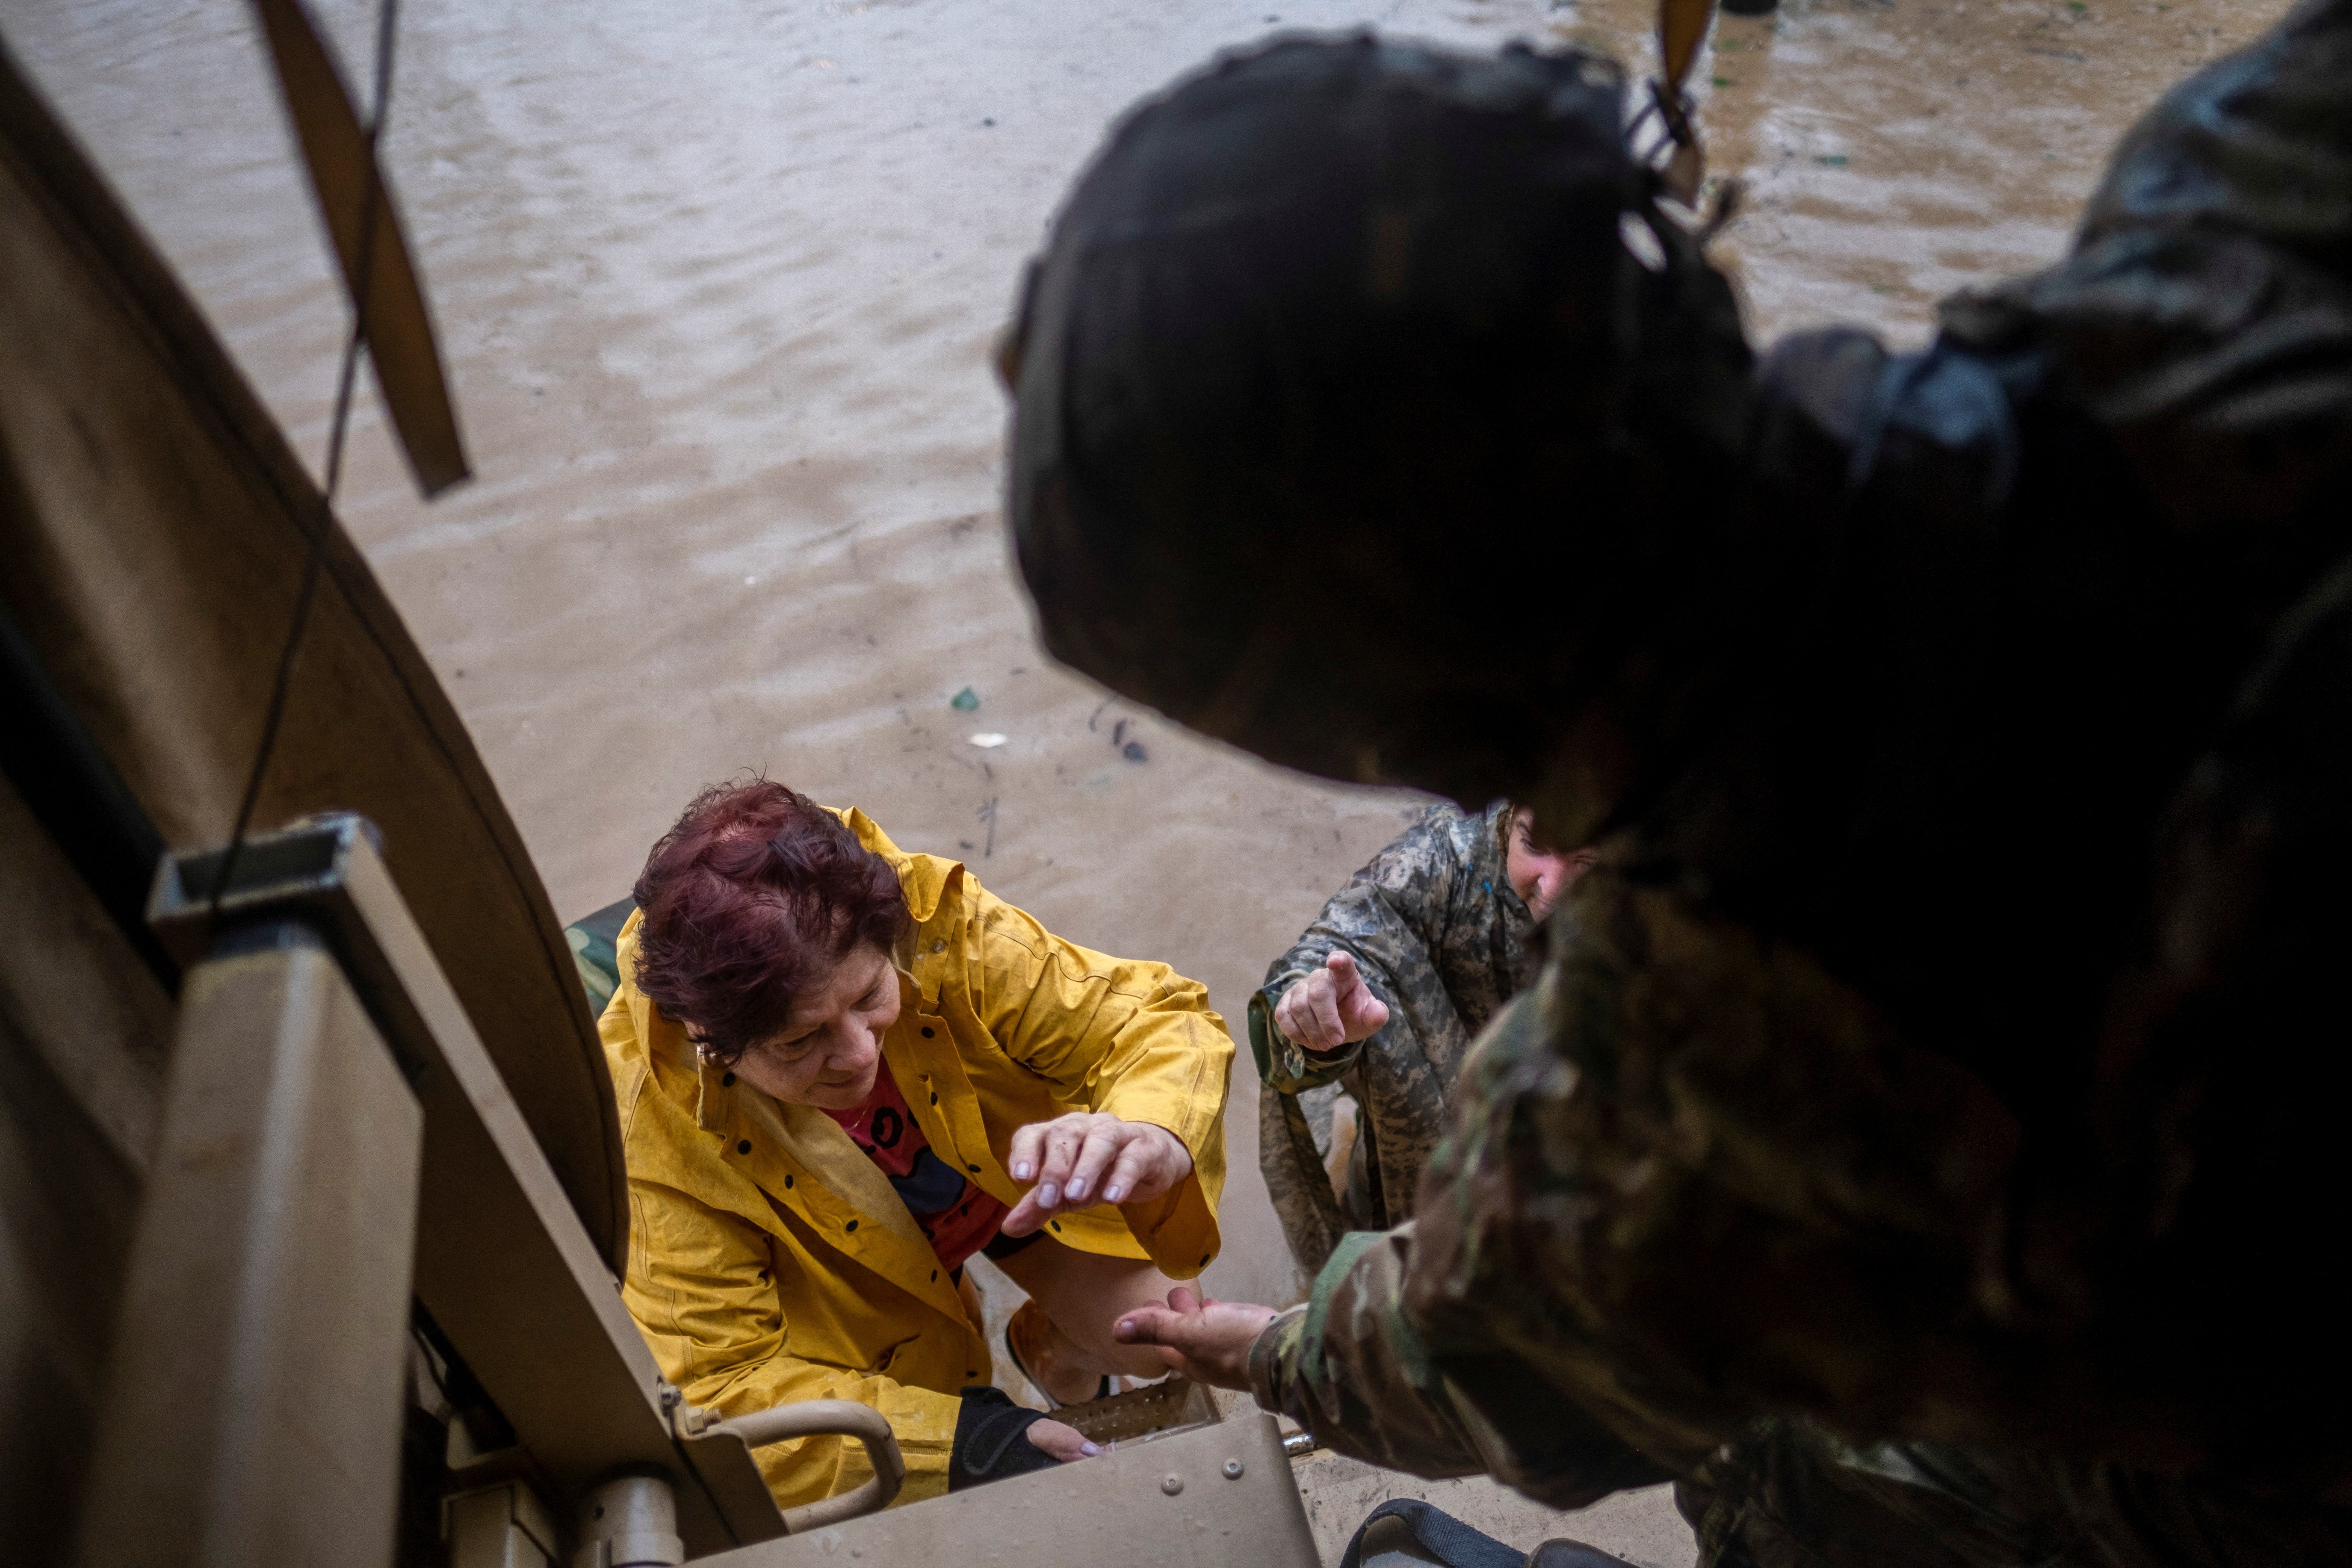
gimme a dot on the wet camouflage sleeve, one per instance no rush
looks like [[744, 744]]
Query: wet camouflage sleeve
[[1387, 1405], [1698, 1191], [1696, 1214], [1440, 937], [1640, 1232], [1700, 1195], [1351, 1367]]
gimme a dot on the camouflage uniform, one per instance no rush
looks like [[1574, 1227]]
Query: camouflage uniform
[[1440, 936], [1498, 1334], [1901, 1218], [1923, 1140]]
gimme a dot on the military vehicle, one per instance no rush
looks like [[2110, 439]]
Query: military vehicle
[[312, 1207]]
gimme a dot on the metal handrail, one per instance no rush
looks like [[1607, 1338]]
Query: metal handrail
[[817, 1418]]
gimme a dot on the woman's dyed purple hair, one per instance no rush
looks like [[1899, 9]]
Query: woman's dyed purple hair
[[755, 895]]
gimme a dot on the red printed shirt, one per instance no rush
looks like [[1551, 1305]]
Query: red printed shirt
[[960, 1218]]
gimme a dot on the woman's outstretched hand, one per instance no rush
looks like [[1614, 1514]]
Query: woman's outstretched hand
[[1205, 1340], [1088, 1158]]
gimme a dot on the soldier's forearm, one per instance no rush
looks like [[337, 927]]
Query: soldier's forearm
[[1350, 1369]]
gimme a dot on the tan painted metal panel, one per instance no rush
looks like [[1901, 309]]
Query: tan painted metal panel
[[251, 1413], [84, 1030], [502, 1263], [1166, 1503]]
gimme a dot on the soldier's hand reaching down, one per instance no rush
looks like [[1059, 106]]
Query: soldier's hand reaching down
[[1205, 1340], [1331, 1007]]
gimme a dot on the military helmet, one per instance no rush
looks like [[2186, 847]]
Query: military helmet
[[1333, 389]]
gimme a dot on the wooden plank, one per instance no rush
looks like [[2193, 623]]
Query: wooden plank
[[348, 180]]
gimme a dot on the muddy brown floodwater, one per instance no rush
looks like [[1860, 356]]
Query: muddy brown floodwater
[[716, 283]]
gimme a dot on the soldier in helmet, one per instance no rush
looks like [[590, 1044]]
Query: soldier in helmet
[[1921, 1140]]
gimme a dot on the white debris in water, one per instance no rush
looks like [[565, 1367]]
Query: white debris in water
[[987, 740]]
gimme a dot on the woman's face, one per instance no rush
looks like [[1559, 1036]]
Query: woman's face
[[827, 1054]]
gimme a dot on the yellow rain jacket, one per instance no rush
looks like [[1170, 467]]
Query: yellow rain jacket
[[770, 1260]]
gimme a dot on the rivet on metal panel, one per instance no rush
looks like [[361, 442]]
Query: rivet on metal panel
[[1232, 1469], [1173, 1484]]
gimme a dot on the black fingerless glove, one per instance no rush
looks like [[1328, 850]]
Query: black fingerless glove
[[991, 1440]]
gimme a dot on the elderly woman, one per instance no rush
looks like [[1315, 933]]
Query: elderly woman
[[843, 1070]]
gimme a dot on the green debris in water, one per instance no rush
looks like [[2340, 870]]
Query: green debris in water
[[1722, 81], [1830, 160], [964, 702]]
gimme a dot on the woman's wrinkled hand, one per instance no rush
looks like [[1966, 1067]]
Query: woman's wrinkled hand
[[1088, 1158], [1066, 1443], [1331, 1008], [1205, 1340]]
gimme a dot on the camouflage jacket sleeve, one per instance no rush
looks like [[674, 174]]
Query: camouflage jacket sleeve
[[1443, 940], [1394, 918], [1353, 1367], [1695, 1179], [1688, 1178], [1367, 1390]]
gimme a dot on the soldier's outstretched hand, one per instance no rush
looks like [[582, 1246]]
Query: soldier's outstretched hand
[[1205, 1340], [1331, 1007]]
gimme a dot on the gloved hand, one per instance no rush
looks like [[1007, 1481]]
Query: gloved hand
[[996, 1438]]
